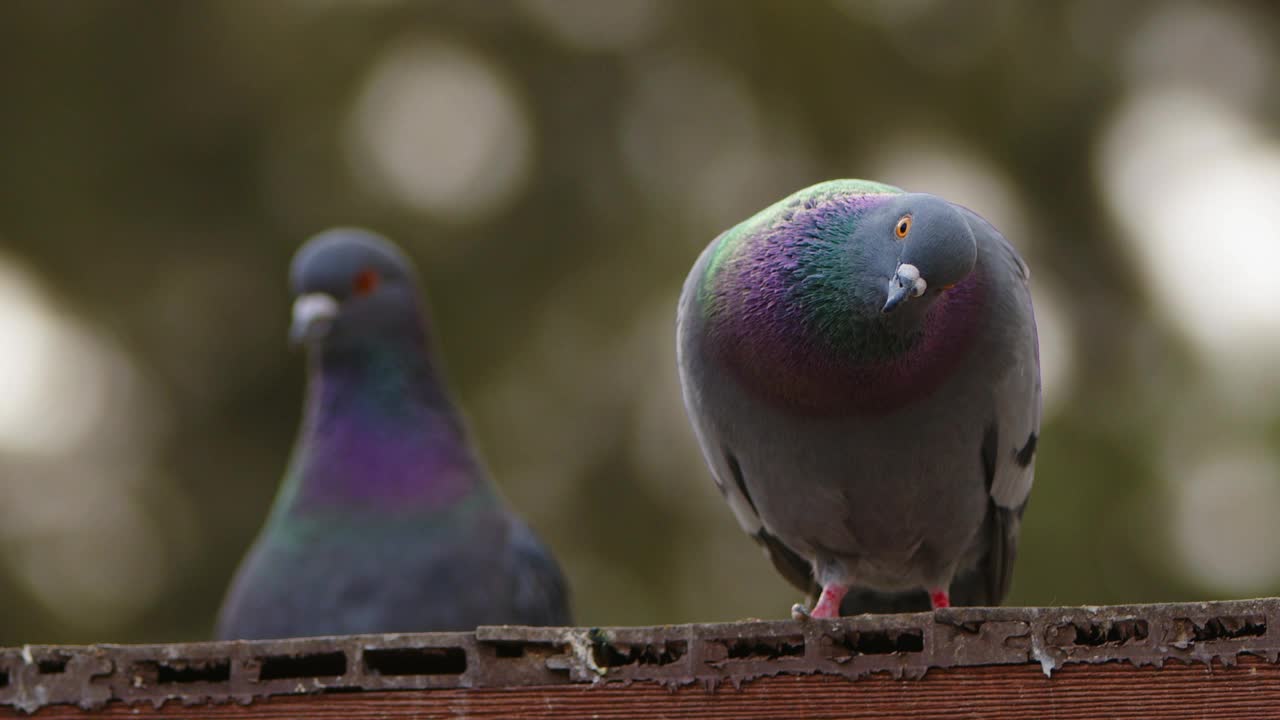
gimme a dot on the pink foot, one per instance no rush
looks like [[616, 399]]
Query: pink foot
[[939, 598], [829, 604]]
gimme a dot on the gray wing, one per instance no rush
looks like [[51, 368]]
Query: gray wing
[[492, 571], [1009, 443], [725, 470], [692, 363], [540, 595]]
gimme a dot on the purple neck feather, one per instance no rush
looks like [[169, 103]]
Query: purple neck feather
[[786, 363], [383, 439]]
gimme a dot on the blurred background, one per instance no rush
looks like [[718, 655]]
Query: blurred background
[[555, 166]]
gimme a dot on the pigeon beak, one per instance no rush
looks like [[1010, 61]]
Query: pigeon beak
[[313, 313], [906, 283]]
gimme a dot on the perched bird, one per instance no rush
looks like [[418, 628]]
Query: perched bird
[[386, 520], [861, 369]]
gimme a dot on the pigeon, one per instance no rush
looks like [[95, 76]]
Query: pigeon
[[386, 520], [861, 369]]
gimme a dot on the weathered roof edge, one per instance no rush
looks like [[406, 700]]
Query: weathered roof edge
[[906, 646]]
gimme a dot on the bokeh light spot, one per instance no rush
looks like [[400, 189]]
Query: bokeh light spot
[[77, 427], [1211, 48], [597, 26], [695, 139], [53, 382], [438, 128], [1193, 183], [1223, 526]]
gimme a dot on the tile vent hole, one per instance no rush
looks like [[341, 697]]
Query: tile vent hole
[[52, 665], [766, 648], [293, 667], [416, 661], [881, 642], [177, 673], [1115, 632], [509, 651], [622, 654], [1221, 628]]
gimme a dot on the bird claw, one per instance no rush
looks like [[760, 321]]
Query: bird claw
[[800, 612]]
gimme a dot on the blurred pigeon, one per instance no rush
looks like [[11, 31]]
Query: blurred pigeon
[[386, 520], [861, 368]]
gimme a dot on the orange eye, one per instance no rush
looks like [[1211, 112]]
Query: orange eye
[[366, 282], [903, 227]]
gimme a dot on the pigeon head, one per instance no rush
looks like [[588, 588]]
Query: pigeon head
[[351, 286], [840, 279], [931, 244]]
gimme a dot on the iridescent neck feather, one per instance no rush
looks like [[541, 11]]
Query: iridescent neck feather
[[788, 313], [380, 435]]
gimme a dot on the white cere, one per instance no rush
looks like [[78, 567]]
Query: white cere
[[908, 273], [313, 306]]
